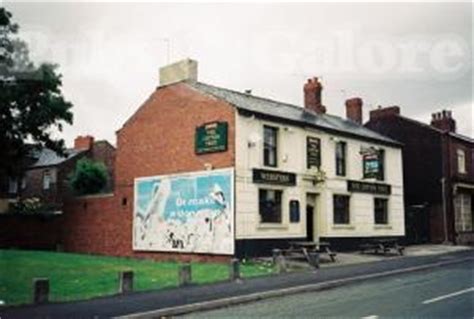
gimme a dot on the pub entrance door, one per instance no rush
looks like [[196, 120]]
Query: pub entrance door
[[310, 217]]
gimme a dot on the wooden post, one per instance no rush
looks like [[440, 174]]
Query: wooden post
[[279, 261], [234, 269], [40, 290], [185, 276], [313, 259], [125, 281]]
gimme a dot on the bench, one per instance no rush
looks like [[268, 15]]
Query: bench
[[382, 246]]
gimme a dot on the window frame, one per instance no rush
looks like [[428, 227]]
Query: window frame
[[345, 221], [274, 148], [461, 155], [386, 220], [341, 159], [47, 173], [12, 185], [278, 196]]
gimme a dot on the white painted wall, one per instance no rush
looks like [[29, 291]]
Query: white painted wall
[[292, 158]]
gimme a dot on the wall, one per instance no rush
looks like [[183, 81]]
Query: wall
[[292, 158], [159, 139]]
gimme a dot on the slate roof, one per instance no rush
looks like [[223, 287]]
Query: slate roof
[[293, 113], [47, 157]]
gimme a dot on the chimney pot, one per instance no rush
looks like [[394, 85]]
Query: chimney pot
[[354, 109], [443, 121], [312, 96], [384, 112], [83, 142], [183, 70]]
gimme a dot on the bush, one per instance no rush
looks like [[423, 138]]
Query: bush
[[89, 177], [32, 206]]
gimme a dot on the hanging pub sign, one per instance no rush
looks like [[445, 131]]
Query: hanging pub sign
[[313, 152], [373, 164], [372, 188], [211, 138], [273, 177]]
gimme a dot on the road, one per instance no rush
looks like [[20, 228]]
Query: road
[[441, 292]]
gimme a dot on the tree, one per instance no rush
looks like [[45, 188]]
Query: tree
[[32, 105], [89, 177]]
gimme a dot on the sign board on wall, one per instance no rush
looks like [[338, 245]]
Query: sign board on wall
[[313, 152], [372, 188], [273, 177], [211, 138], [191, 213]]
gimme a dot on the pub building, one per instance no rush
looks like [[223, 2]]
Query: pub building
[[299, 173]]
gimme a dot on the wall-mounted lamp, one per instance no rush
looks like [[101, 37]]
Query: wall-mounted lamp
[[253, 140], [335, 139]]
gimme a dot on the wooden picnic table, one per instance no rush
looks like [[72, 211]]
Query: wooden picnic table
[[383, 245], [319, 247]]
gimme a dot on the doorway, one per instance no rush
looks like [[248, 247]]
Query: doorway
[[310, 216]]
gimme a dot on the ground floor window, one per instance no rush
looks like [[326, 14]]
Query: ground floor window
[[341, 209], [463, 212], [381, 210], [270, 205]]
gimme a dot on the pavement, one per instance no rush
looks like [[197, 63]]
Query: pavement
[[182, 300], [446, 292]]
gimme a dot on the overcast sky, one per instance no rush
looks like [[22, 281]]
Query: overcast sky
[[415, 55]]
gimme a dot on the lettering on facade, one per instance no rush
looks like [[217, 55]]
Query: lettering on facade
[[274, 177], [211, 138], [372, 188]]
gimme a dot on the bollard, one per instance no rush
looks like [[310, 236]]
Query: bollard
[[275, 254], [314, 259], [234, 269], [40, 290], [125, 281], [185, 277], [279, 261]]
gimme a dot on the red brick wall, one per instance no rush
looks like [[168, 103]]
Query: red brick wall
[[97, 225], [29, 232]]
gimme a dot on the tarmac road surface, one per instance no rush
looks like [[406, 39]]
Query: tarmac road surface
[[438, 293]]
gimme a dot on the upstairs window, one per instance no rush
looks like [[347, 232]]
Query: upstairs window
[[461, 155], [270, 150], [381, 211], [47, 180], [270, 205], [341, 158], [12, 185]]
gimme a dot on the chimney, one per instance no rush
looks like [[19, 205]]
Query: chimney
[[385, 112], [180, 71], [354, 110], [312, 96], [443, 121], [83, 142]]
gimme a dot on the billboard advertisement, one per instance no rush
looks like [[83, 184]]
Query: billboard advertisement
[[191, 212]]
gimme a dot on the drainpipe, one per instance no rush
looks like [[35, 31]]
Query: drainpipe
[[445, 219]]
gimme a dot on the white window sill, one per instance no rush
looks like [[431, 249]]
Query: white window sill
[[266, 226], [382, 226], [342, 226]]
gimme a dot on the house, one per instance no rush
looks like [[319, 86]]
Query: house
[[438, 174], [207, 170], [46, 174]]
